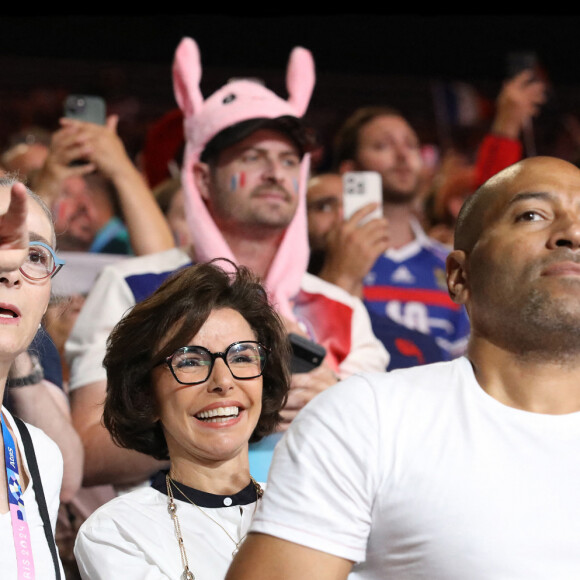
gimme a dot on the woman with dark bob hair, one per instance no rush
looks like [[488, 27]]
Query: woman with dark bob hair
[[195, 372]]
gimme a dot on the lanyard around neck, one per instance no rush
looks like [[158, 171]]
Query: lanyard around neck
[[20, 531]]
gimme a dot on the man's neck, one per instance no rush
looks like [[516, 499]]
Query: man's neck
[[538, 383], [256, 252], [400, 217]]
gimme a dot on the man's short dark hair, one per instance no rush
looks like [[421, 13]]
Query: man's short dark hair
[[166, 321], [346, 140]]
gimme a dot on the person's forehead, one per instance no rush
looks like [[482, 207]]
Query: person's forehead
[[264, 139], [222, 324], [553, 180], [74, 186], [325, 186], [385, 125]]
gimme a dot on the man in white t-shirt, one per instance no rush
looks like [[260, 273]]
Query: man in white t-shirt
[[461, 469]]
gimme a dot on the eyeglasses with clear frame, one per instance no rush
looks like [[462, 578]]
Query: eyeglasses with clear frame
[[41, 262], [192, 365]]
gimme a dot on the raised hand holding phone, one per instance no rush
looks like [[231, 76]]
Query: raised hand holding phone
[[87, 108], [360, 189], [354, 245], [306, 354]]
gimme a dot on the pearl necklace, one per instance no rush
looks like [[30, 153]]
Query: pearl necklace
[[172, 509]]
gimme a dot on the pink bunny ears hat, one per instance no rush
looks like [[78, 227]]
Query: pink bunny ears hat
[[238, 101]]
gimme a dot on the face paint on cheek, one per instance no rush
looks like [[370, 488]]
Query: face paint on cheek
[[295, 184], [238, 180], [60, 211]]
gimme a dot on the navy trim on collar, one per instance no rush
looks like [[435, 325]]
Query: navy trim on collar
[[203, 499]]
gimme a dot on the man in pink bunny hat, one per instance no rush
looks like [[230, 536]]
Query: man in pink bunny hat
[[244, 172]]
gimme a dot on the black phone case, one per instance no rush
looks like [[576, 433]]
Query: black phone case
[[306, 354]]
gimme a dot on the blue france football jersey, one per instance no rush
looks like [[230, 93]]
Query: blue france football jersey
[[408, 286]]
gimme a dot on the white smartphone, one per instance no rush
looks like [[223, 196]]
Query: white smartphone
[[359, 188]]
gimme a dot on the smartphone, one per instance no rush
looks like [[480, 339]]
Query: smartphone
[[89, 108], [359, 188], [306, 354]]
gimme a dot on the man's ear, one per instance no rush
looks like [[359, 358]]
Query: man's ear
[[202, 178], [457, 277], [347, 165]]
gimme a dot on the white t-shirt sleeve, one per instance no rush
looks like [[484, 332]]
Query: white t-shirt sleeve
[[107, 302], [323, 477]]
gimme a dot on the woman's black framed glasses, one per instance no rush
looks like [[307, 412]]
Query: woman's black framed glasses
[[192, 365]]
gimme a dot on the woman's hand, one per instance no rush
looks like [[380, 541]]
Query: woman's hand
[[14, 231]]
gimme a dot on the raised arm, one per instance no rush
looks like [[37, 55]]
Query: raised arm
[[103, 149], [353, 247], [13, 230], [519, 100]]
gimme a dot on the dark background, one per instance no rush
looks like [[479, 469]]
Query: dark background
[[447, 45], [360, 60]]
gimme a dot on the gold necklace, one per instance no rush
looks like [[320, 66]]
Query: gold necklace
[[172, 509]]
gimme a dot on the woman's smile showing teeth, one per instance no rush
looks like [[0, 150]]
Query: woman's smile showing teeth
[[220, 414]]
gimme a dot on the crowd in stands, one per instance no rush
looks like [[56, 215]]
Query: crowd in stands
[[229, 177]]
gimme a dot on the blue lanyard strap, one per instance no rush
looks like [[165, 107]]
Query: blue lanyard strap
[[12, 474], [20, 531]]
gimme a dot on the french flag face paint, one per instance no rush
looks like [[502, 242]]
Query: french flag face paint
[[62, 211], [295, 185], [238, 180]]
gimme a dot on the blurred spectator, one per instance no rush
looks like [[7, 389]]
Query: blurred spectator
[[87, 217], [518, 102], [455, 185], [77, 150], [26, 152], [406, 347], [390, 261], [324, 210], [171, 199], [60, 317]]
